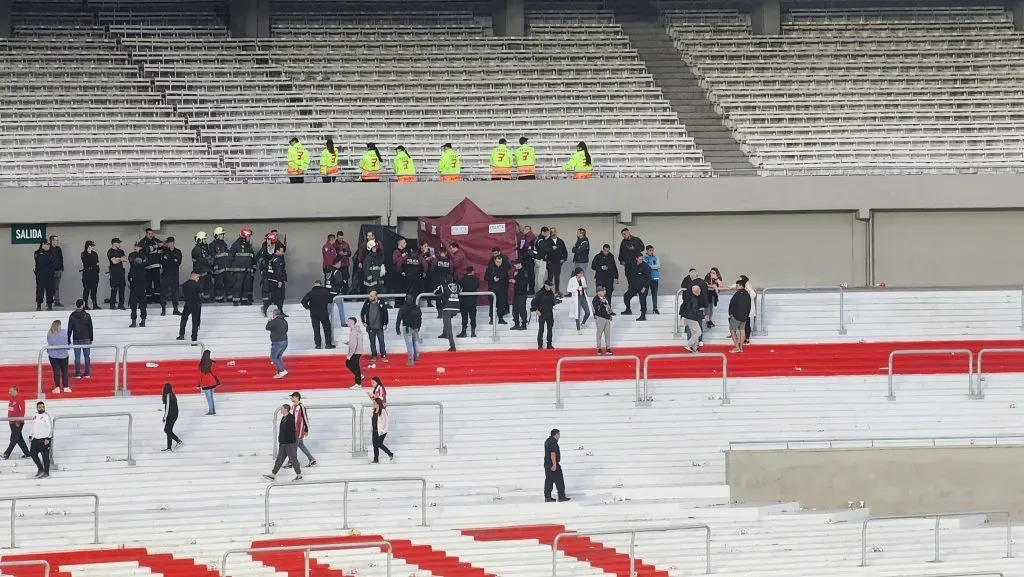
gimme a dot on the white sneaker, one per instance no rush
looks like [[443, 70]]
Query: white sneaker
[[67, 390], [356, 386], [281, 375], [55, 391]]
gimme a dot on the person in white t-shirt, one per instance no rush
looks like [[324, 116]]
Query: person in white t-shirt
[[41, 433]]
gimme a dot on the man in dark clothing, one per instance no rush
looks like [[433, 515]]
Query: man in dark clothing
[[524, 252], [138, 283], [16, 416], [581, 251], [521, 289], [337, 284], [397, 281], [44, 269], [692, 315], [375, 318], [58, 271], [606, 274], [318, 301], [541, 246], [242, 268], [287, 444], [692, 279], [639, 282], [458, 259], [371, 263], [271, 242], [80, 333], [629, 248], [497, 283], [344, 252], [115, 261], [442, 275], [170, 265], [192, 292], [277, 276], [543, 306], [553, 468], [149, 248], [450, 303], [556, 256], [208, 266], [469, 284], [411, 316], [739, 314], [413, 273]]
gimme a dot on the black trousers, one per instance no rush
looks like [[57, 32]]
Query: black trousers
[[448, 332], [353, 367], [59, 368], [117, 293], [137, 301], [296, 179], [324, 322], [469, 316], [554, 479], [40, 453], [519, 311], [632, 292], [196, 314], [44, 288], [168, 285], [169, 430], [17, 440], [530, 268], [378, 446], [90, 287], [218, 284], [500, 301], [276, 296], [241, 285], [153, 277], [542, 321], [554, 270], [654, 295]]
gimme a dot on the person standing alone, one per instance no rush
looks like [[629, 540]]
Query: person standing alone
[[356, 349], [115, 270], [278, 328], [137, 280], [90, 273], [603, 319], [41, 433], [45, 269], [287, 445], [208, 381], [379, 426], [80, 333], [543, 306], [411, 316], [16, 420], [57, 350], [318, 301], [553, 468], [192, 292], [58, 271], [375, 318], [170, 416]]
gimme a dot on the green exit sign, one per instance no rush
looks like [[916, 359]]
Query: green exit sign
[[28, 233]]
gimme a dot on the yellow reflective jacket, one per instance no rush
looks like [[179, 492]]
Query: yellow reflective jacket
[[525, 156], [404, 165], [298, 158], [501, 157], [450, 162], [328, 160], [578, 163], [369, 162]]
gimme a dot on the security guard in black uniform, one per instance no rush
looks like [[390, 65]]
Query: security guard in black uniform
[[221, 262], [277, 278], [202, 263], [170, 264], [150, 249], [138, 281], [271, 242], [240, 267], [116, 260]]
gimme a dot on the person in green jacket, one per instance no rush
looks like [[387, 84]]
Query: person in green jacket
[[371, 164], [450, 165], [501, 161], [298, 161], [526, 161], [580, 162], [405, 168], [329, 162]]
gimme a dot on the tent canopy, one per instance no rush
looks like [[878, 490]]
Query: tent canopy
[[476, 232]]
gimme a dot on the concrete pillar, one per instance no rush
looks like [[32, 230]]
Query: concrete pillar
[[508, 18], [1018, 15], [5, 18], [249, 18], [766, 18]]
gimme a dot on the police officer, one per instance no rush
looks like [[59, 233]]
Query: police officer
[[150, 249], [138, 280], [413, 273], [192, 294], [240, 268], [277, 276], [170, 264], [442, 274], [202, 262], [451, 304], [337, 284], [271, 241], [115, 264], [221, 254]]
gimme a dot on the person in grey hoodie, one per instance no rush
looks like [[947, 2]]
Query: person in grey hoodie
[[278, 328], [356, 349], [375, 317]]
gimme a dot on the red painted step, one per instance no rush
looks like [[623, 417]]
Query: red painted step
[[585, 549], [159, 563], [533, 366]]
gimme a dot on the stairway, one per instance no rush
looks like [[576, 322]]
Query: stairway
[[682, 89]]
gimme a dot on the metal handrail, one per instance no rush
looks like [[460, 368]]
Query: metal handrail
[[441, 447], [307, 549], [558, 372], [646, 400], [677, 324], [977, 391], [129, 346], [53, 438], [277, 413], [34, 563], [632, 543], [762, 306], [345, 483], [1019, 288], [872, 440], [904, 352], [965, 574], [43, 351], [95, 510], [938, 517], [492, 304]]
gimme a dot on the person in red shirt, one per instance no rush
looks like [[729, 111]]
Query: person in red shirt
[[344, 251], [16, 410], [301, 428], [458, 259], [329, 252]]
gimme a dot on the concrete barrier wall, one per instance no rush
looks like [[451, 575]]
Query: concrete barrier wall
[[890, 481]]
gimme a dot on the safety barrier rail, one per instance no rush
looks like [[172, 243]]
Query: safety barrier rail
[[492, 303], [345, 482], [646, 398], [977, 391], [38, 563], [43, 352], [441, 448], [938, 517], [58, 418], [907, 352], [870, 441], [130, 346], [762, 306], [306, 550], [309, 408], [558, 373], [632, 543], [95, 510]]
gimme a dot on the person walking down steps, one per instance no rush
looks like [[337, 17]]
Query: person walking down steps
[[287, 446], [301, 428], [379, 423], [356, 349], [41, 432], [170, 417]]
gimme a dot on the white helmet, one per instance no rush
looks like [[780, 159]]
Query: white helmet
[[218, 232], [200, 236]]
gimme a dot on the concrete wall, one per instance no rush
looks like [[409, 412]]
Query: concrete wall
[[888, 480]]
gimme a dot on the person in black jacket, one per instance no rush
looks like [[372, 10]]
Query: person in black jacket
[[521, 280], [603, 319], [242, 267], [469, 284], [410, 316], [450, 304], [170, 265], [192, 292], [287, 444], [606, 274], [203, 262], [58, 270], [441, 275], [692, 315], [497, 283], [556, 257], [581, 251], [739, 315], [628, 249], [149, 248], [543, 306], [639, 280], [90, 273], [45, 268], [138, 283], [337, 284], [692, 279], [115, 270], [277, 277], [318, 302], [170, 417], [80, 333]]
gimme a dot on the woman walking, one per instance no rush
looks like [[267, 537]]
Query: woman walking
[[714, 282], [90, 274], [356, 350], [170, 417], [379, 423], [58, 337], [378, 392], [208, 381]]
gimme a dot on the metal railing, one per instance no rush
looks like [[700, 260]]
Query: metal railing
[[130, 346], [558, 372], [307, 549], [646, 399], [762, 306], [492, 303], [35, 563], [277, 413], [632, 543], [441, 448], [95, 510], [43, 352], [907, 352], [53, 438], [870, 441], [345, 483], [977, 391], [938, 517]]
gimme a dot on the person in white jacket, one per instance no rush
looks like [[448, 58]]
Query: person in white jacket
[[356, 349], [578, 303], [41, 433]]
